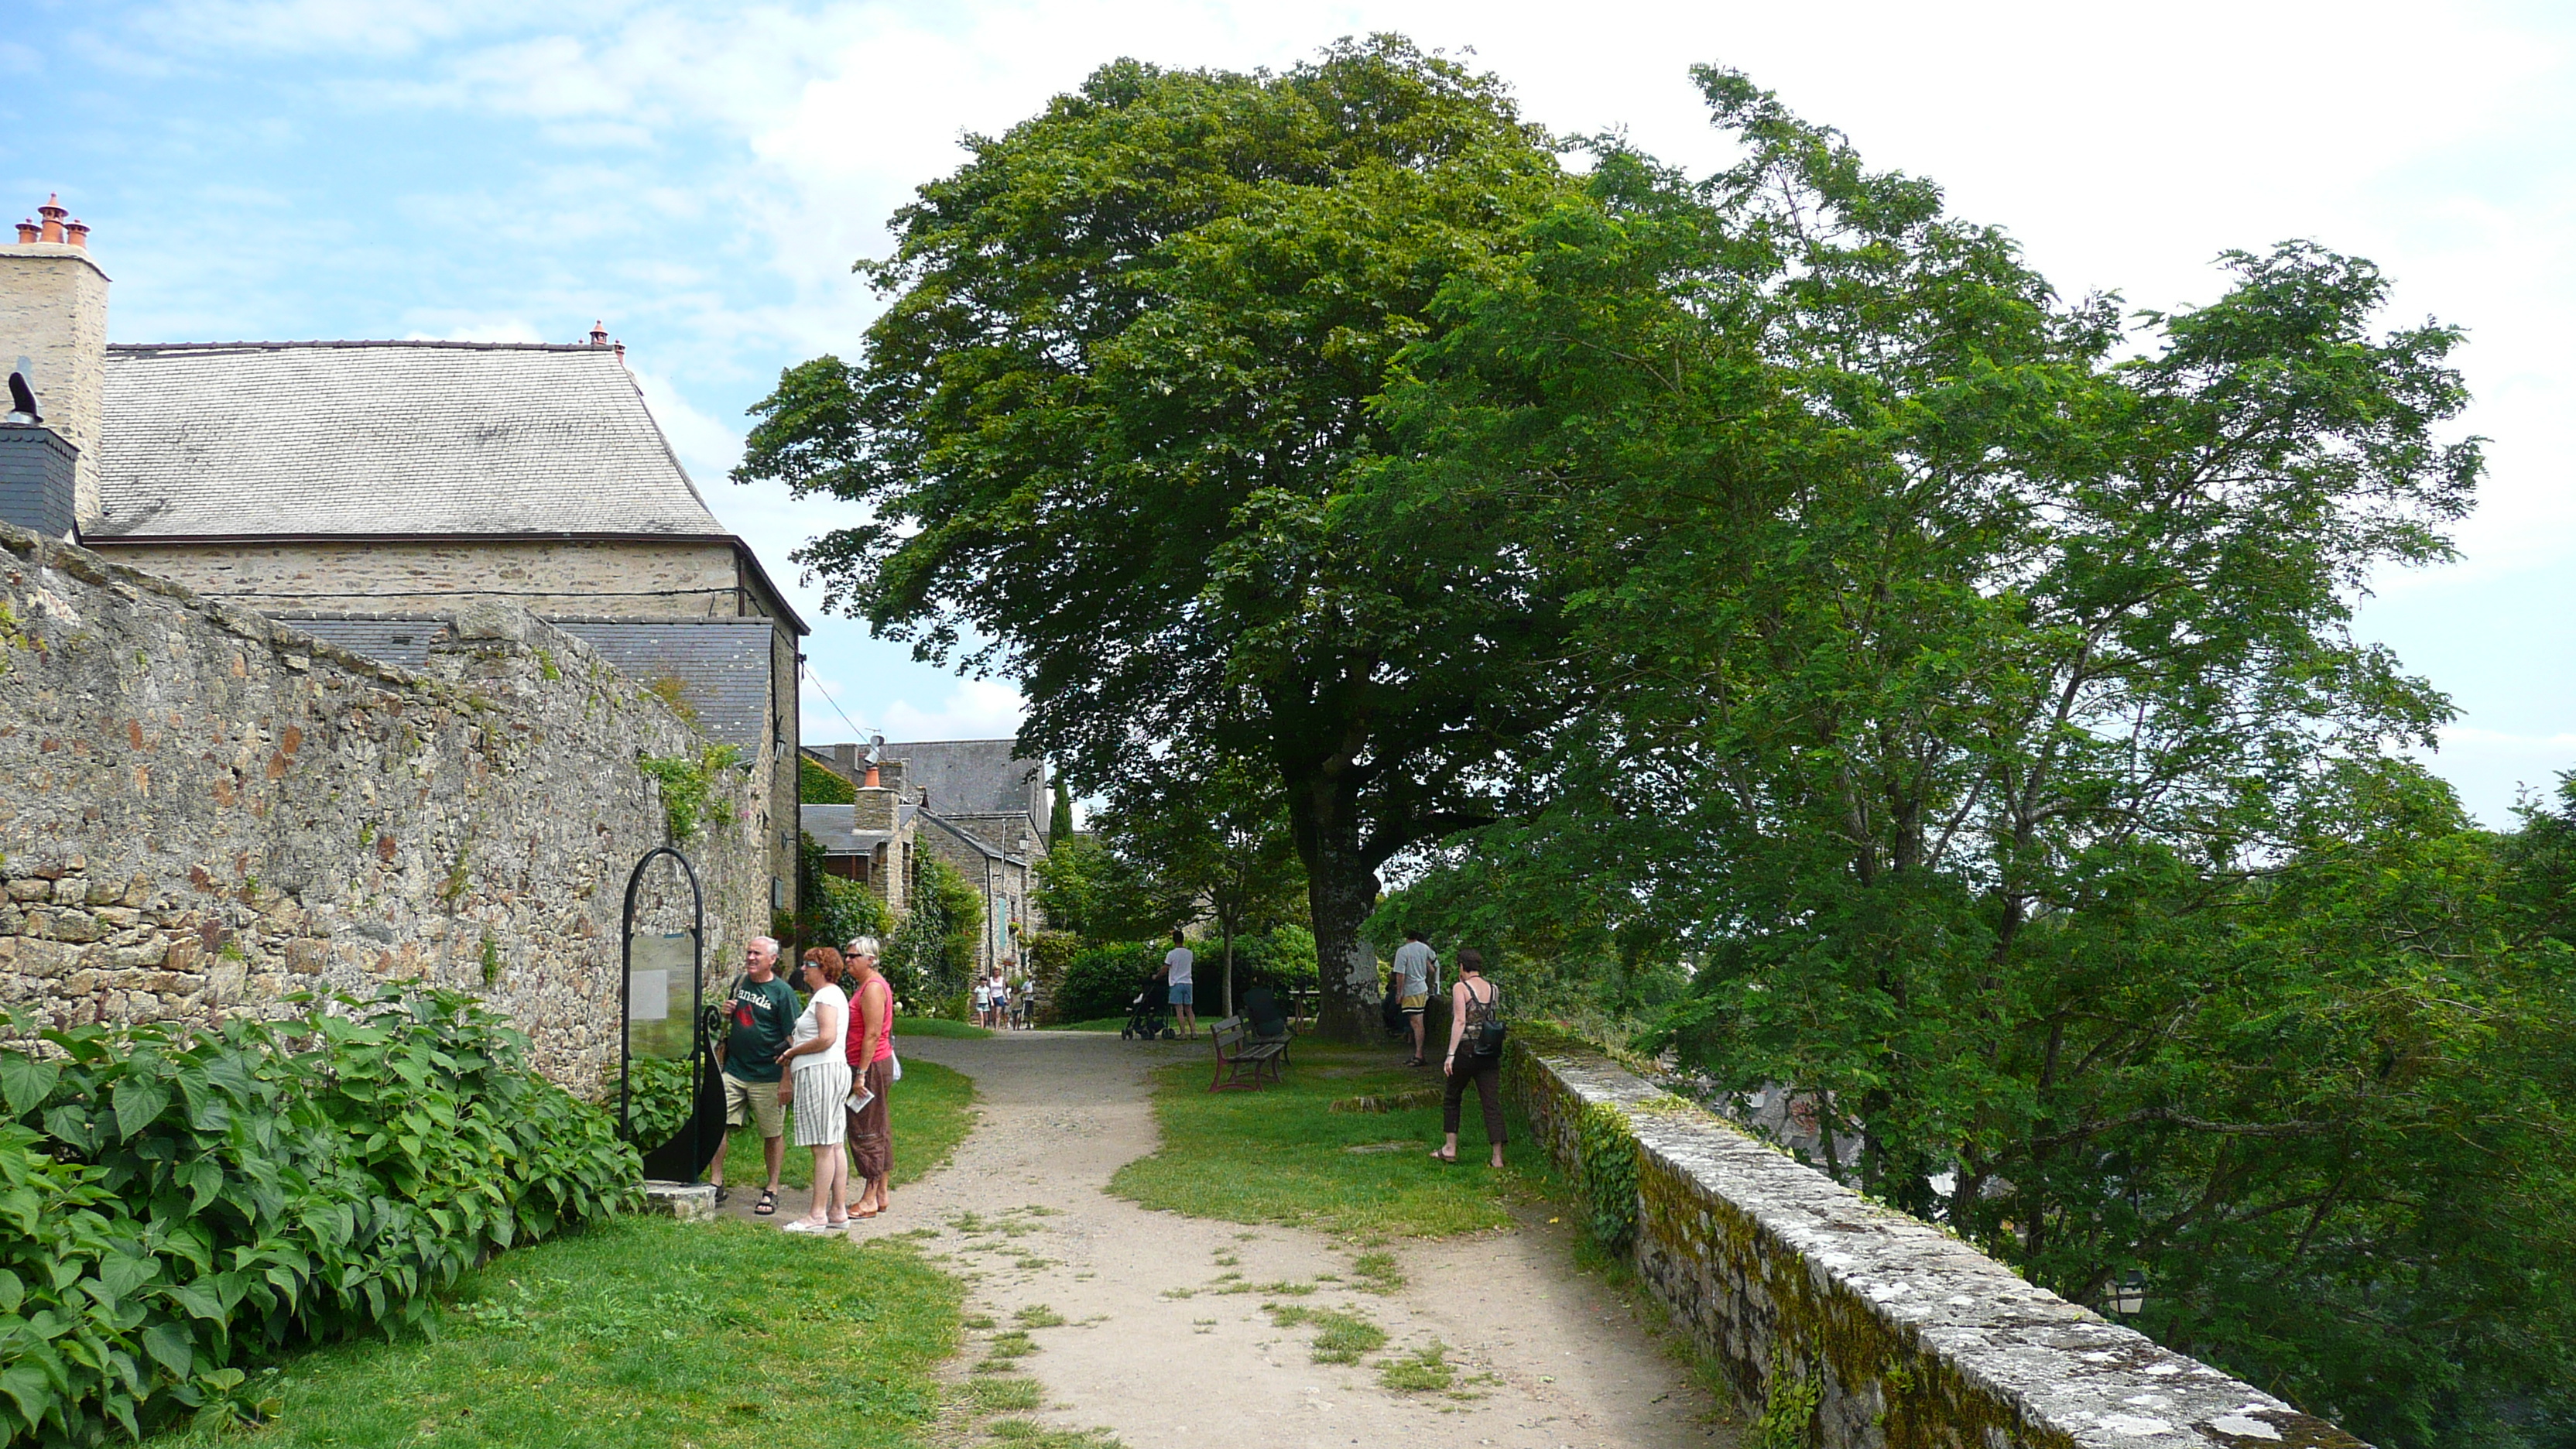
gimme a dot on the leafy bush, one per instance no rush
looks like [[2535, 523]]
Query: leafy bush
[[932, 955], [660, 1096], [1102, 981], [173, 1200], [833, 910]]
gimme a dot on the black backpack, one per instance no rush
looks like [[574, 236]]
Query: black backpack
[[1485, 1029]]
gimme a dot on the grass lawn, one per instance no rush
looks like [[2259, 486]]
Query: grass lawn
[[643, 1331], [1279, 1155], [937, 1026], [932, 1111], [1100, 1023]]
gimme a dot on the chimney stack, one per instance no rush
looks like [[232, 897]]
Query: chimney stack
[[53, 331], [599, 334]]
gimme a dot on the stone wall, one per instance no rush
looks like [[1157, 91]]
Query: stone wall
[[572, 576], [1857, 1326], [202, 812]]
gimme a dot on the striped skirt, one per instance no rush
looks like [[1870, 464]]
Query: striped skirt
[[819, 1094]]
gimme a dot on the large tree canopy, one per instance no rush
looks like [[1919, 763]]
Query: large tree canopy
[[1975, 708], [1120, 417]]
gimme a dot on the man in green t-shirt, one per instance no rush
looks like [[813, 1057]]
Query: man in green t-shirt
[[763, 1010]]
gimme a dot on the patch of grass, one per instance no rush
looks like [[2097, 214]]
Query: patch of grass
[[1097, 1023], [932, 1110], [1340, 1337], [1278, 1155], [1037, 1436], [936, 1026], [1014, 1344], [1005, 1396], [1378, 1272], [1424, 1371], [640, 1330], [1038, 1315]]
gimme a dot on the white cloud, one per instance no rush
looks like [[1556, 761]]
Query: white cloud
[[978, 709]]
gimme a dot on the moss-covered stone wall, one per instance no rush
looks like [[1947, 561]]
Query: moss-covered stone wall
[[1847, 1325]]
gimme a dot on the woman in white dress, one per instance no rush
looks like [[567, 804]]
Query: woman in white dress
[[816, 1085]]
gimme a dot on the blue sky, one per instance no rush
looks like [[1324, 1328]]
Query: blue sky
[[701, 176]]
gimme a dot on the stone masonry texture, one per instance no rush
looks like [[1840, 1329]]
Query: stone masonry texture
[[1899, 1335], [203, 813]]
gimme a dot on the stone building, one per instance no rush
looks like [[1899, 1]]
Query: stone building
[[967, 803], [362, 492]]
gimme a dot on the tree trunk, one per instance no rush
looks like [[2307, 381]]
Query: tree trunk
[[1341, 893], [1226, 924]]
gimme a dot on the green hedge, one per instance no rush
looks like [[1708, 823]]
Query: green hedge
[[175, 1201]]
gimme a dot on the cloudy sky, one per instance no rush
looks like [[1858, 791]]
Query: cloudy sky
[[701, 176]]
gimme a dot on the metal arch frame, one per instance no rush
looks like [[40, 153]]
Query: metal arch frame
[[697, 1005]]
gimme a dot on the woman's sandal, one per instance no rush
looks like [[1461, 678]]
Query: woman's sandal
[[1444, 1158], [767, 1206]]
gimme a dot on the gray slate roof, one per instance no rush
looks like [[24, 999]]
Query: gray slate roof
[[973, 777], [722, 664], [372, 438], [833, 828]]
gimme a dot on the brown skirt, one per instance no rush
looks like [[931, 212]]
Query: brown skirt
[[871, 1134]]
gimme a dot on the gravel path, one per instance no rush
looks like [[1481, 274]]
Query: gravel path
[[1547, 1357]]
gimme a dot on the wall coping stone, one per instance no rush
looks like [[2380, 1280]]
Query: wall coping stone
[[2057, 1372]]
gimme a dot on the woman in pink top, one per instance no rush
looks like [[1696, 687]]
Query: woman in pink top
[[871, 1053]]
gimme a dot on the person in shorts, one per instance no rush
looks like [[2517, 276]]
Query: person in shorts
[[763, 1010], [1415, 966], [1177, 965]]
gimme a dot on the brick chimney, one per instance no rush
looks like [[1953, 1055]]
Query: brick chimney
[[53, 320]]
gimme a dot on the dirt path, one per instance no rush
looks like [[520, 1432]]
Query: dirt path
[[1551, 1357]]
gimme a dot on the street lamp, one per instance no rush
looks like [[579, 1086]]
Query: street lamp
[[2129, 1295]]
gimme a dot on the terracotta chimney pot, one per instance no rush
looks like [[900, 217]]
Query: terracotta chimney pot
[[599, 334], [27, 232], [76, 231], [873, 783], [53, 213]]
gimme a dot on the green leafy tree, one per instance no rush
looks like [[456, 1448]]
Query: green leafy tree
[[1210, 843], [1060, 813], [1977, 711], [1120, 416]]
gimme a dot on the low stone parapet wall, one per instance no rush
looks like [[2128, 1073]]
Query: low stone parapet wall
[[1852, 1325], [205, 814]]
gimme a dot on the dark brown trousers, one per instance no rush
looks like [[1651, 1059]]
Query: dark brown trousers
[[1487, 1074], [871, 1134]]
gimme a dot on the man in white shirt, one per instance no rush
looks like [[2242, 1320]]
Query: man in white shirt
[[1175, 975], [1415, 967]]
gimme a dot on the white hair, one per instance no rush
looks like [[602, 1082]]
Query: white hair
[[766, 945], [862, 946]]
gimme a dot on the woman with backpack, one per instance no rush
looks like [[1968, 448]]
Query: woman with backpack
[[1475, 1055]]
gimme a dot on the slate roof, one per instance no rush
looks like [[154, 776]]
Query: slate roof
[[973, 777], [722, 664], [833, 828], [374, 438]]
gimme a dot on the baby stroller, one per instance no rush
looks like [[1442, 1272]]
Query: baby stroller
[[1145, 1014]]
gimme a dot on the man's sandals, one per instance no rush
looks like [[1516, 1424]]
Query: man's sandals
[[768, 1204]]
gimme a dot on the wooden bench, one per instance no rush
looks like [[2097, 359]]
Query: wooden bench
[[1241, 1059]]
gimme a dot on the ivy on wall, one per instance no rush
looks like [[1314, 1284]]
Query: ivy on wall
[[688, 789]]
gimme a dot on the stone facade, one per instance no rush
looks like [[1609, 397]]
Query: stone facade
[[655, 578], [203, 812], [1858, 1327]]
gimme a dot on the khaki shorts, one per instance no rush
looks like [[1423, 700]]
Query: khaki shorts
[[1417, 1003], [750, 1102]]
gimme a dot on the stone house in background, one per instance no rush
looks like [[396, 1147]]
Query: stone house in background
[[363, 491], [967, 803]]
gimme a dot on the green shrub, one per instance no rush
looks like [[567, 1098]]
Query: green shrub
[[659, 1098], [174, 1200], [1102, 981], [932, 955]]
